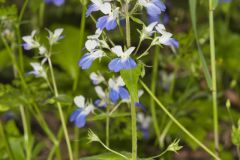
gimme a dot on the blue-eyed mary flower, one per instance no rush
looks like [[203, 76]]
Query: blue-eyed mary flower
[[124, 61], [97, 5], [154, 8], [30, 42], [103, 97], [117, 90], [144, 123], [96, 78], [55, 2], [38, 70], [147, 31], [109, 21], [55, 36], [87, 59], [165, 38], [84, 109]]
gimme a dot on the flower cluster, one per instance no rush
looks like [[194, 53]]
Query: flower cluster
[[97, 46], [32, 42], [55, 2]]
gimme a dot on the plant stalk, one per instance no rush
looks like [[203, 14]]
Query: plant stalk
[[153, 89], [175, 121], [214, 77], [59, 106]]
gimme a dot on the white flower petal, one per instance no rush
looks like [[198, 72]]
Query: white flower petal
[[91, 44], [129, 51], [79, 101], [118, 50], [101, 94]]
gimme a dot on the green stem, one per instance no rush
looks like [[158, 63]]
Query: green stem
[[154, 157], [178, 123], [107, 126], [27, 133], [60, 110], [214, 79], [41, 14], [153, 90], [6, 142], [19, 41], [128, 29]]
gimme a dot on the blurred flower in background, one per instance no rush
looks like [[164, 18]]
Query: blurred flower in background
[[55, 2]]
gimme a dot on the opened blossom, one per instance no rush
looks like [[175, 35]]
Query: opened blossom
[[124, 61], [84, 109]]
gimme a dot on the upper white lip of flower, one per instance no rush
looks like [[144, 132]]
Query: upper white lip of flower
[[119, 51], [97, 77], [143, 120], [55, 36], [30, 40], [84, 106], [115, 83]]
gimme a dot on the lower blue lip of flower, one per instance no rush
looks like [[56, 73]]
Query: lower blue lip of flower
[[113, 95], [86, 61]]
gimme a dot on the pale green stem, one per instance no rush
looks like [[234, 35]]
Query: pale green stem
[[109, 149], [175, 121], [107, 126], [27, 136], [154, 157], [19, 41], [6, 142], [60, 110], [153, 89], [134, 98], [214, 78]]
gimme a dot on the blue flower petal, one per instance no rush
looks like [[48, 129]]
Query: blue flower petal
[[172, 42], [115, 65], [123, 93], [101, 22], [74, 115], [140, 105], [129, 63], [113, 95], [160, 5], [91, 8], [153, 10], [86, 61], [110, 25], [81, 120], [58, 2]]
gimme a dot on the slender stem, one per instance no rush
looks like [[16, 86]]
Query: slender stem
[[6, 142], [145, 52], [107, 126], [19, 41], [178, 123], [128, 29], [133, 97], [153, 90], [60, 110], [214, 78], [41, 14], [27, 136], [115, 152], [154, 157]]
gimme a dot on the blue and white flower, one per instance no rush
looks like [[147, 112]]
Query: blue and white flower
[[55, 2], [144, 124], [117, 89], [103, 97], [98, 5], [96, 78], [124, 61], [154, 8], [30, 42], [88, 58], [165, 38], [84, 109], [38, 70], [55, 36], [109, 21], [147, 31]]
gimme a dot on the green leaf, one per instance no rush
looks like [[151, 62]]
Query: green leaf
[[193, 5], [131, 77], [3, 108], [137, 20], [215, 4]]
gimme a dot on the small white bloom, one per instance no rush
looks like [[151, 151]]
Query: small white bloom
[[143, 120], [96, 78], [148, 31], [38, 70], [115, 83], [30, 42], [42, 50], [55, 36], [119, 52], [86, 107]]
